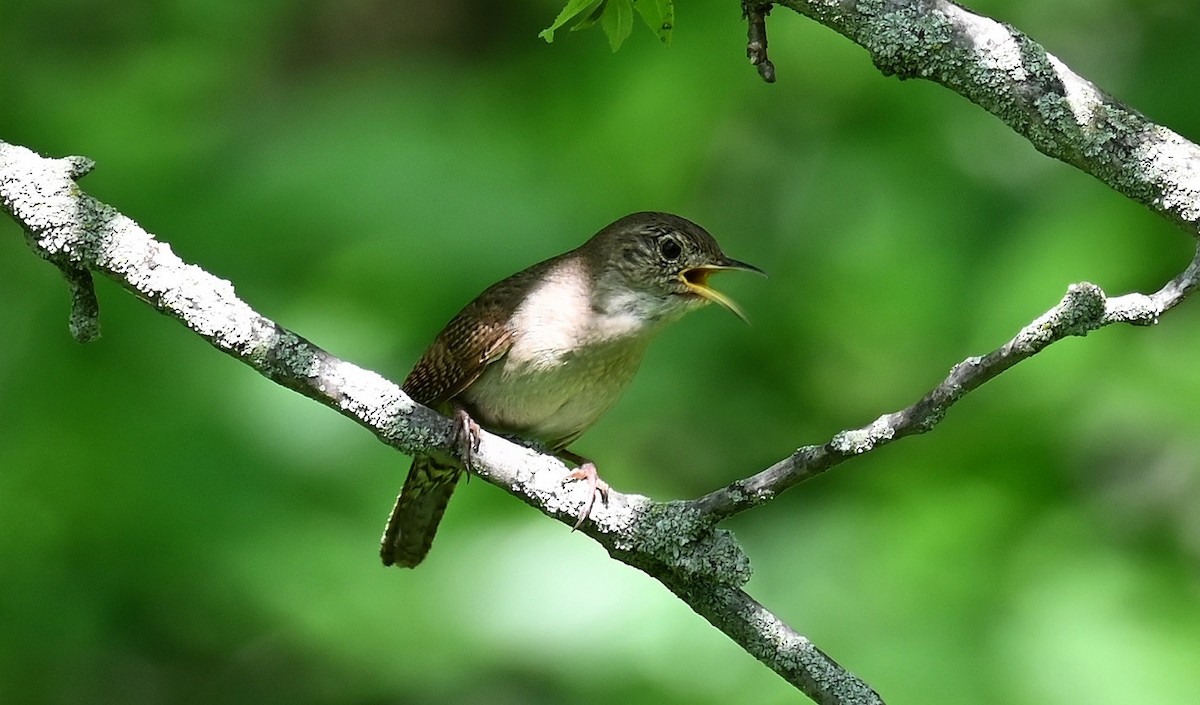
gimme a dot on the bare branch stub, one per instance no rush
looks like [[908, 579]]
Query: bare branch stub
[[756, 46], [84, 323]]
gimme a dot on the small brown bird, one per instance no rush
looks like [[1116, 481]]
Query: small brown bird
[[544, 353]]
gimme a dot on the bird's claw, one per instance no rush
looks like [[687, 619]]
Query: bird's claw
[[596, 486], [466, 436]]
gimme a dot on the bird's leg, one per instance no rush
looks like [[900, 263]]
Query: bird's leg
[[586, 472], [466, 436]]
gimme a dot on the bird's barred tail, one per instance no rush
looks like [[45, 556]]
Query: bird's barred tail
[[418, 511]]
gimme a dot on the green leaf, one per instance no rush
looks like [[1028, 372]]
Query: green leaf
[[573, 9], [591, 16], [659, 16], [617, 22], [615, 18]]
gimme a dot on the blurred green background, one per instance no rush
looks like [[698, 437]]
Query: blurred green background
[[176, 529]]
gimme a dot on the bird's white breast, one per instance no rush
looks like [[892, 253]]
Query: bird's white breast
[[571, 358]]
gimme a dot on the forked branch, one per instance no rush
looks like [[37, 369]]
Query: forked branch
[[705, 568]]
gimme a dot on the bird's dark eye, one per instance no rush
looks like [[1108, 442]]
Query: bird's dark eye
[[669, 248]]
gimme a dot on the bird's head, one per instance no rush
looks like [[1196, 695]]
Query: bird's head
[[661, 263]]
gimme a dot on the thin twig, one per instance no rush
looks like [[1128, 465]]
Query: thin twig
[[1084, 309]]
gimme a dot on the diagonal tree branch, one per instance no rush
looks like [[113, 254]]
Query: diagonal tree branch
[[1002, 70]]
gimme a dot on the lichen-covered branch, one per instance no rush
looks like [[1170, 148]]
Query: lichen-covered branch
[[704, 567], [1013, 77], [79, 235], [790, 654]]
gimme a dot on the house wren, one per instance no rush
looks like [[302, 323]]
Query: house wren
[[544, 353]]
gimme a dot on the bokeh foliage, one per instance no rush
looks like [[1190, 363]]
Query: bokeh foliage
[[175, 529]]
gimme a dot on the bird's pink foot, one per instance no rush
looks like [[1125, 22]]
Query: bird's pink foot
[[596, 486]]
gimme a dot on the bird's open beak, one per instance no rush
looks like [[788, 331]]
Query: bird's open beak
[[696, 280]]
